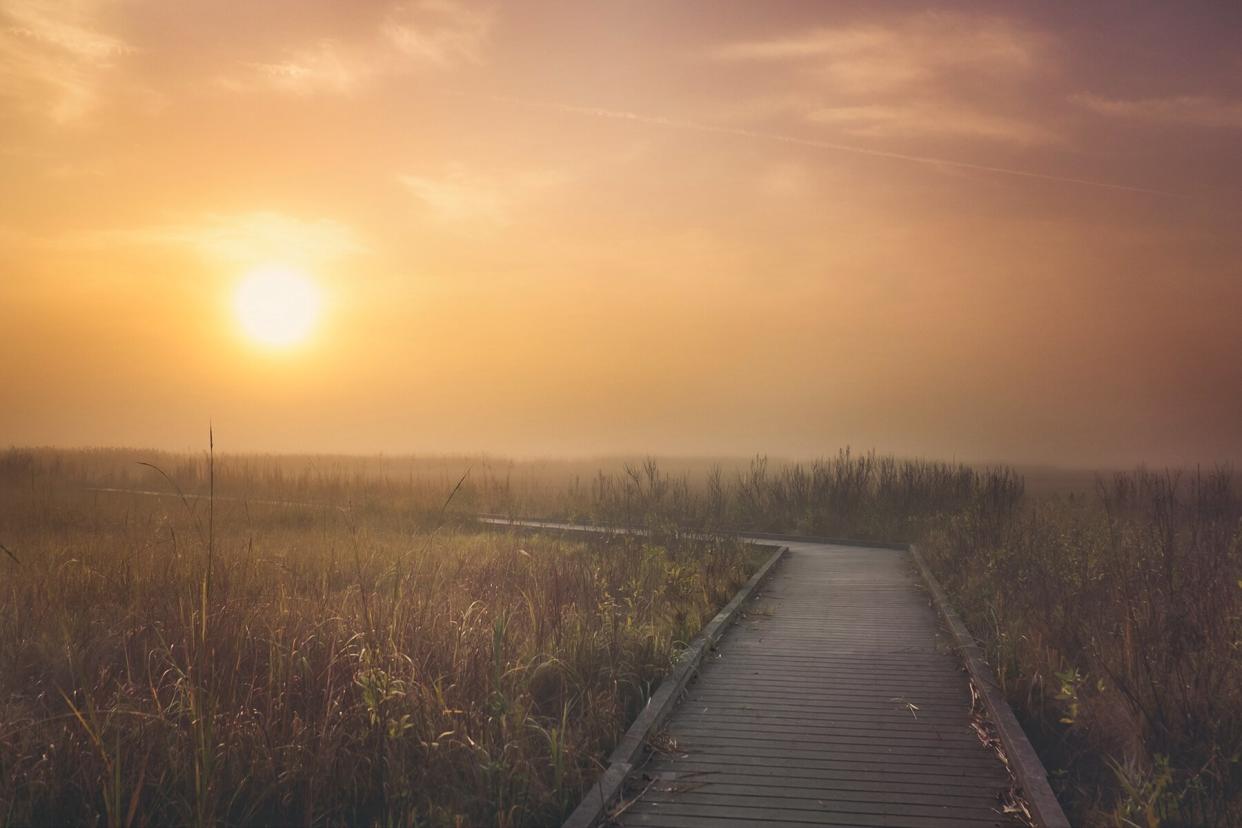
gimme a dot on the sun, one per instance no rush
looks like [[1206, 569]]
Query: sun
[[277, 305]]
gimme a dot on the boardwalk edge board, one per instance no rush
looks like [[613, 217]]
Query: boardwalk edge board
[[593, 808], [1028, 771]]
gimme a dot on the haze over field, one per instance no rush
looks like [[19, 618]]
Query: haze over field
[[988, 232]]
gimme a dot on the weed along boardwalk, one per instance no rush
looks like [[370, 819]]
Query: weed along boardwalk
[[836, 697]]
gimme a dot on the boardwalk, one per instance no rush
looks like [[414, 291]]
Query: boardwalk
[[835, 701]]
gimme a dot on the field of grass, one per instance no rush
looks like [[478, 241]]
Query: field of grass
[[353, 665], [1112, 614], [1115, 624], [178, 660]]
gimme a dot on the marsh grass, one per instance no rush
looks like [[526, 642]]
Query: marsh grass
[[1113, 618], [862, 496], [1115, 624], [277, 664], [362, 668]]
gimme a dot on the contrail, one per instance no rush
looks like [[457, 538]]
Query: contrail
[[674, 123]]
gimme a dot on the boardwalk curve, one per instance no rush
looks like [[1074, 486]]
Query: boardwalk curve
[[836, 698]]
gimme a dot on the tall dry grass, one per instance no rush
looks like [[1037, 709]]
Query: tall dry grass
[[1113, 618], [1115, 624], [863, 496], [279, 664]]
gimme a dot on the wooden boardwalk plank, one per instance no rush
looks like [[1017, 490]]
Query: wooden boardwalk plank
[[761, 772], [861, 788], [660, 813], [835, 700], [799, 731], [802, 806]]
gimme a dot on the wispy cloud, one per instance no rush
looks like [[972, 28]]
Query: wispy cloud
[[54, 55], [1193, 110], [431, 34], [904, 77], [461, 195], [243, 238], [831, 146], [320, 68], [871, 57], [439, 32]]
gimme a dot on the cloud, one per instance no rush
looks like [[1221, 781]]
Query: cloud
[[1199, 110], [460, 195], [871, 57], [57, 56], [54, 57], [930, 118], [318, 69], [244, 238], [439, 32], [432, 34], [912, 76], [831, 146]]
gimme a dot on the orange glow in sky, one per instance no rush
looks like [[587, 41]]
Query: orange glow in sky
[[981, 232]]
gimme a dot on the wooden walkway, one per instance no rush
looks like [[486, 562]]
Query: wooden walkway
[[835, 700]]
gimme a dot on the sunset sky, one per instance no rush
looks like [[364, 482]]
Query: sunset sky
[[983, 231]]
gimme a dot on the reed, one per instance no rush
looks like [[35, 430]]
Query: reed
[[184, 661], [363, 657]]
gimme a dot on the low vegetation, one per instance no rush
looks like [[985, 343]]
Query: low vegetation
[[1115, 624], [354, 666], [1112, 615], [176, 660]]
